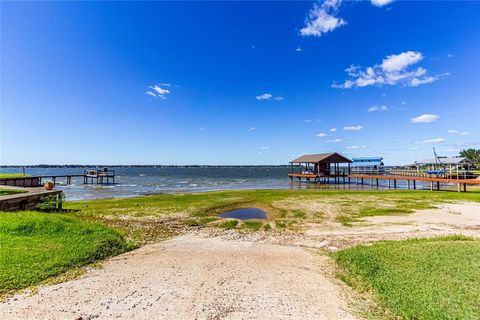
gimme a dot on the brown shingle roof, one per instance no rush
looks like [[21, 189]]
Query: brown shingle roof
[[331, 157]]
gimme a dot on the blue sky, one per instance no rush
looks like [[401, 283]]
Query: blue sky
[[237, 83]]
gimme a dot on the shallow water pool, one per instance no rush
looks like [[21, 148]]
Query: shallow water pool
[[245, 214]]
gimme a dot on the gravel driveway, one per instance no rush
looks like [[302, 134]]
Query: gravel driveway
[[190, 277]]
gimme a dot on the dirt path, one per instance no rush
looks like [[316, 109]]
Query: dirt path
[[194, 278]]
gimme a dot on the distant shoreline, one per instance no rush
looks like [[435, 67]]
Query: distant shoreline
[[140, 166]]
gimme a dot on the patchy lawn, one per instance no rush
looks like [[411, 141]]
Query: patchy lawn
[[436, 278], [35, 246]]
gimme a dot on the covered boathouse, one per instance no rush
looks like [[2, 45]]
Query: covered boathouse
[[320, 167]]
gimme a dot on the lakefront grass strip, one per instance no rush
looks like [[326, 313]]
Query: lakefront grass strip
[[13, 175], [288, 209], [35, 246], [434, 278], [6, 192]]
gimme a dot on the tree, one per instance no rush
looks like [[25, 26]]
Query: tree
[[472, 155]]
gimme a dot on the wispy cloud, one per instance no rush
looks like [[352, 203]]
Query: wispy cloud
[[461, 133], [298, 49], [321, 134], [268, 96], [432, 141], [352, 128], [394, 70], [333, 129], [357, 147], [322, 19], [265, 96], [335, 140], [252, 129], [157, 91], [375, 108], [381, 3], [425, 118]]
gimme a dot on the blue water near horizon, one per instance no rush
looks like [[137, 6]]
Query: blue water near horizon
[[137, 181]]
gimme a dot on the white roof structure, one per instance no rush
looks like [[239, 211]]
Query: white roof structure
[[448, 161]]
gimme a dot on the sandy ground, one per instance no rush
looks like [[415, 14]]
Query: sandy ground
[[194, 278], [226, 274]]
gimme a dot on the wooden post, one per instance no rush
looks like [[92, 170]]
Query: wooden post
[[459, 187], [377, 182], [388, 183], [414, 184], [431, 185], [464, 187], [408, 184], [394, 184], [438, 185]]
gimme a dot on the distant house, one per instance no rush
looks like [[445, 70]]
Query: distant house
[[367, 165]]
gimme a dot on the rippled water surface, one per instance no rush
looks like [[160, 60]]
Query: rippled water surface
[[135, 181]]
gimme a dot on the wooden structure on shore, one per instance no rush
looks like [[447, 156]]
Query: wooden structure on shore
[[320, 167], [30, 199]]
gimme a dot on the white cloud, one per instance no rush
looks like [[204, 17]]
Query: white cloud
[[252, 129], [453, 131], [157, 91], [308, 120], [321, 134], [394, 69], [449, 55], [352, 128], [268, 96], [265, 96], [397, 62], [357, 147], [335, 140], [425, 118], [436, 140], [299, 49], [461, 133], [322, 19], [381, 3], [333, 129], [464, 133], [378, 108]]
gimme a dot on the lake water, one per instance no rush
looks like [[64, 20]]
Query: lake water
[[135, 181]]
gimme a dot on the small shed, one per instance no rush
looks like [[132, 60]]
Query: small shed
[[320, 165]]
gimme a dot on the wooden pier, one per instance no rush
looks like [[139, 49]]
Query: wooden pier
[[100, 176], [412, 181]]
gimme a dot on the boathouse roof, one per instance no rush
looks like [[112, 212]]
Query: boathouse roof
[[458, 160], [330, 157]]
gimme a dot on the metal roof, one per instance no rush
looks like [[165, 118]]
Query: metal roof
[[443, 161], [367, 164], [367, 159], [330, 157]]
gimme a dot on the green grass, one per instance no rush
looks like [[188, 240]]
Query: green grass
[[35, 246], [5, 192], [252, 224], [435, 278], [351, 206], [229, 224], [13, 175]]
